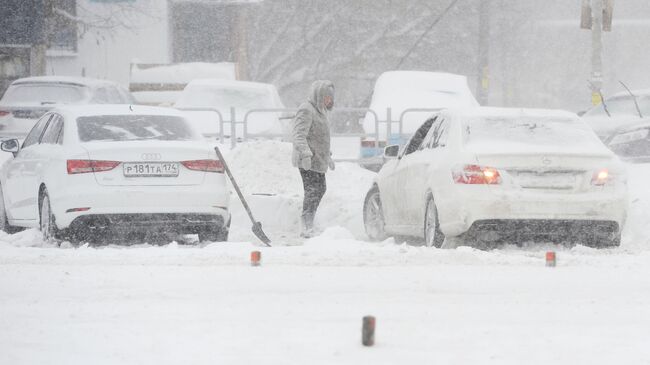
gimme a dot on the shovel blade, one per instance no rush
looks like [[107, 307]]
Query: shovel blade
[[259, 233]]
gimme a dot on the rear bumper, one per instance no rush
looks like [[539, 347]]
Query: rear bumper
[[162, 222], [545, 228], [148, 204], [479, 204]]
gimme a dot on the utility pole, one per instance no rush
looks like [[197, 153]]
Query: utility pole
[[596, 51], [241, 47], [38, 49], [597, 16], [483, 80]]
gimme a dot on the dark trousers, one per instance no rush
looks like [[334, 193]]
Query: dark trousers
[[314, 185]]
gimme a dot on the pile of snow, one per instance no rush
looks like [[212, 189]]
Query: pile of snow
[[274, 188]]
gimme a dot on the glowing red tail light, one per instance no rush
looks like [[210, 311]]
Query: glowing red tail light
[[600, 177], [204, 165], [4, 113], [477, 175], [86, 166]]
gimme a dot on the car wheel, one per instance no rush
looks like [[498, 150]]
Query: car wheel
[[432, 234], [373, 216], [47, 221], [4, 220]]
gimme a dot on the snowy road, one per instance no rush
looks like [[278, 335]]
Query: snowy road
[[304, 305], [146, 304]]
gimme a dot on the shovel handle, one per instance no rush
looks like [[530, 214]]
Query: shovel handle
[[234, 184]]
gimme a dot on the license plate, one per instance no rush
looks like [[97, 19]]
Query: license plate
[[560, 181], [150, 169]]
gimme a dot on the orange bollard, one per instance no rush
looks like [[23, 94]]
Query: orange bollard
[[256, 258], [550, 259]]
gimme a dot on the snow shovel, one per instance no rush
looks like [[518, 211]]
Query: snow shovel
[[257, 226]]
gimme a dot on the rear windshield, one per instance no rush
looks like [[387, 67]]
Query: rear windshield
[[528, 130], [110, 128], [44, 94]]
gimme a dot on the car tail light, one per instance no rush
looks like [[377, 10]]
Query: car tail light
[[475, 175], [4, 113], [600, 177], [373, 144], [204, 165], [85, 166]]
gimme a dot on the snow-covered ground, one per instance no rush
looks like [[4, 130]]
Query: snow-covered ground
[[205, 304]]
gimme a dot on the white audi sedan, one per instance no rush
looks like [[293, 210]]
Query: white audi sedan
[[87, 170], [484, 175]]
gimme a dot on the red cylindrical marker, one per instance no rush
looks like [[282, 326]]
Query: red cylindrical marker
[[550, 259], [256, 258], [368, 331]]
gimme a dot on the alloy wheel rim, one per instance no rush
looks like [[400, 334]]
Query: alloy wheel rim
[[45, 219], [431, 225], [374, 220]]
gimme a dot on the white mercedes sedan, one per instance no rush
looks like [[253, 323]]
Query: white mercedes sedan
[[484, 175], [84, 171]]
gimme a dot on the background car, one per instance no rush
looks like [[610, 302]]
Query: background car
[[632, 143], [114, 169], [243, 96], [406, 90], [162, 84], [28, 99], [486, 174], [622, 112]]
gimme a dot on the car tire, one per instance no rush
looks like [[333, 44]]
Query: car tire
[[47, 222], [373, 216], [433, 236], [4, 219]]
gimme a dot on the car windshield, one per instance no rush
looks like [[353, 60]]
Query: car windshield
[[223, 98], [51, 93], [623, 105], [540, 131], [109, 128]]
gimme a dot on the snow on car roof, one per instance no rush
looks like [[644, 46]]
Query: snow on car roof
[[442, 80], [75, 111], [510, 112], [231, 84], [85, 81], [182, 72]]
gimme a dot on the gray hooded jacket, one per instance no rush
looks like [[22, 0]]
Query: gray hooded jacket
[[311, 131]]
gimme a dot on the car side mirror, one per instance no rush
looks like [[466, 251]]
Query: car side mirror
[[10, 145], [391, 151]]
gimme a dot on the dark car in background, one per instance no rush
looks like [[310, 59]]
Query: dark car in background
[[27, 99]]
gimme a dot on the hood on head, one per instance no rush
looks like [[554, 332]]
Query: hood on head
[[320, 89]]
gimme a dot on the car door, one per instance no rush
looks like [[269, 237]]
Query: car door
[[20, 189], [430, 171], [49, 155], [399, 177], [415, 177]]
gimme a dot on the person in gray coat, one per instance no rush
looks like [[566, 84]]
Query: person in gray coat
[[311, 149]]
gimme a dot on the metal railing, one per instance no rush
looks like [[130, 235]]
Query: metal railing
[[289, 113]]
